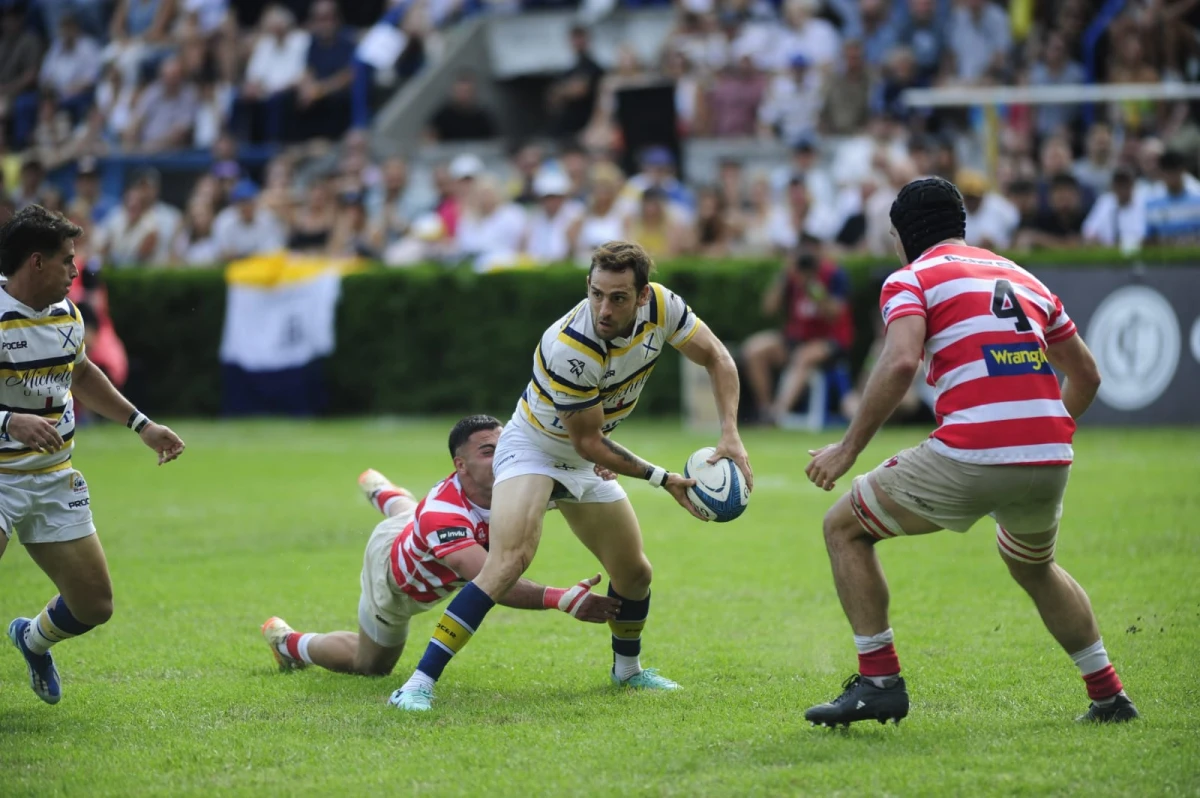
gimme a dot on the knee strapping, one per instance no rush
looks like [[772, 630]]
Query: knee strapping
[[1015, 549], [870, 513]]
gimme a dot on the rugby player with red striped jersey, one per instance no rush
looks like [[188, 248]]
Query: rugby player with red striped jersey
[[420, 554], [989, 333]]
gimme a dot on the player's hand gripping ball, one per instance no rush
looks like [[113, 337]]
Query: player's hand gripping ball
[[720, 493]]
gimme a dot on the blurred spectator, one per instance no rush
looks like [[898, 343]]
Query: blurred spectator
[[71, 67], [20, 57], [425, 242], [246, 228], [165, 113], [604, 220], [353, 234], [575, 162], [89, 199], [312, 224], [1117, 219], [462, 117], [572, 97], [1173, 219], [527, 163], [698, 40], [924, 35], [991, 219], [688, 90], [390, 204], [115, 97], [805, 164], [1023, 194], [792, 105], [1151, 185], [813, 296], [215, 103], [658, 171], [278, 195], [276, 68], [547, 238], [1095, 169], [489, 230], [878, 31], [846, 107], [734, 98], [209, 16], [662, 231], [602, 131], [1060, 225], [897, 172], [31, 188], [130, 235], [729, 184], [52, 131], [1055, 69], [714, 230], [137, 34], [980, 38], [753, 225], [1130, 65], [459, 184], [807, 36], [900, 73], [196, 244], [323, 98]]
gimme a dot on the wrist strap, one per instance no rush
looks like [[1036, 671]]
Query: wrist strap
[[5, 417], [551, 597], [137, 421], [657, 476]]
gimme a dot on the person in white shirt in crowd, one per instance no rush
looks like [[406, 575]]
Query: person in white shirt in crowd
[[71, 67], [991, 219], [391, 203], [165, 112], [806, 163], [275, 69], [1150, 186], [897, 172], [1117, 217], [195, 244], [791, 107], [490, 231], [130, 236], [604, 220], [245, 228], [658, 171], [1095, 169], [808, 35], [546, 237], [980, 35]]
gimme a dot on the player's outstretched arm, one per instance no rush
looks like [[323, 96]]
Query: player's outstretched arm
[[577, 601], [705, 349], [587, 436], [903, 347], [1073, 359], [91, 385]]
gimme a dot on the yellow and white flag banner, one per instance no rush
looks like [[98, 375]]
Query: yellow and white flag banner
[[280, 310]]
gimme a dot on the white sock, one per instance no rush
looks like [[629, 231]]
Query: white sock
[[35, 641], [418, 679], [1092, 658], [390, 503], [626, 667], [301, 645], [866, 644]]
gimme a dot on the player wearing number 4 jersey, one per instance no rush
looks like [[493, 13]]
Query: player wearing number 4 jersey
[[989, 332], [42, 498], [588, 370], [420, 554]]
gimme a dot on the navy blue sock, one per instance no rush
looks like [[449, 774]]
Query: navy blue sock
[[455, 628]]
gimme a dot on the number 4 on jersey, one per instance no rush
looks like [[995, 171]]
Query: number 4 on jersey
[[1006, 306]]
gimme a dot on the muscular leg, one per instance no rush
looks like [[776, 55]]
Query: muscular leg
[[518, 506], [79, 570], [803, 362], [1062, 603], [763, 353], [353, 652]]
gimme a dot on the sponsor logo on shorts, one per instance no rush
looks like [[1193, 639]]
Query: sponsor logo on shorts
[[565, 466], [453, 533], [80, 503], [917, 500], [10, 345], [381, 620], [77, 483], [1010, 360], [893, 461]]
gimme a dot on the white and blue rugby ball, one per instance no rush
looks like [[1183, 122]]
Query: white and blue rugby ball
[[720, 493]]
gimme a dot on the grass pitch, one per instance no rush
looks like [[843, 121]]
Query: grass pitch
[[178, 694]]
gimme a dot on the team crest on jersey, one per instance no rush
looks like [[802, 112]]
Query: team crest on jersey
[[576, 367], [453, 533]]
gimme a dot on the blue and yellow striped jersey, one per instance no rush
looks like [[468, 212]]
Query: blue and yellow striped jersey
[[573, 369], [38, 353]]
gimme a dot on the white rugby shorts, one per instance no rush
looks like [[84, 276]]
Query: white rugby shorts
[[383, 609], [46, 508], [518, 455]]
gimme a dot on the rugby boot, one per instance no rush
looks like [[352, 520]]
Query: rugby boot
[[862, 700], [43, 676], [276, 631], [1119, 711]]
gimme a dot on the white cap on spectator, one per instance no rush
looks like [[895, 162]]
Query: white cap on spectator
[[428, 227], [551, 183], [466, 165]]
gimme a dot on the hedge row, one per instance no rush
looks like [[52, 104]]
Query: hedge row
[[425, 340]]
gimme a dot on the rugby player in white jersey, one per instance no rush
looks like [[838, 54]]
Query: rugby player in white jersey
[[420, 554], [42, 498], [588, 370]]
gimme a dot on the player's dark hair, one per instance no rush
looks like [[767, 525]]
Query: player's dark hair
[[927, 212], [33, 229], [621, 256], [467, 427]]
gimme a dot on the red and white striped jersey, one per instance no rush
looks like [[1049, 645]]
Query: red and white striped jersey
[[988, 322], [445, 522]]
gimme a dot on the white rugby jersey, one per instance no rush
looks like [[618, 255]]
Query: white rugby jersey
[[573, 369], [38, 353]]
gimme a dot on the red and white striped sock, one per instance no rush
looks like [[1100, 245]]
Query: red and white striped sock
[[877, 660], [383, 498], [1103, 684], [295, 646]]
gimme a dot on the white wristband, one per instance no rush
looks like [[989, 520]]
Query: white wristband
[[137, 421], [658, 476]]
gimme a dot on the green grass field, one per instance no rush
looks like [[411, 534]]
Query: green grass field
[[178, 694]]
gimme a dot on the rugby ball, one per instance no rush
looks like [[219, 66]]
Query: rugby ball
[[720, 493]]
